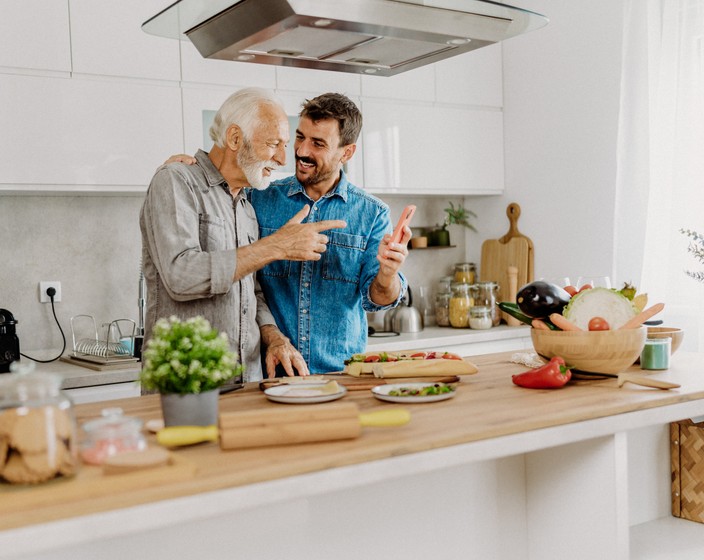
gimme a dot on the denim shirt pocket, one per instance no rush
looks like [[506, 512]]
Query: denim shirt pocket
[[277, 269], [342, 261], [212, 233]]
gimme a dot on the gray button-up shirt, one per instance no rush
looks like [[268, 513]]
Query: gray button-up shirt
[[191, 227]]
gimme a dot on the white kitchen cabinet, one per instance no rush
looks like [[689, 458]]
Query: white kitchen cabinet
[[99, 133], [35, 35], [417, 84], [473, 78], [413, 148], [318, 81], [110, 41]]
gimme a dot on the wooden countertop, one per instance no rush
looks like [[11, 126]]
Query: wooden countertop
[[487, 405]]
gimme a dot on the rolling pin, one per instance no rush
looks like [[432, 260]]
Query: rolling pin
[[512, 292], [284, 426]]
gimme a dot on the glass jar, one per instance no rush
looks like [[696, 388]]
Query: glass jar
[[37, 429], [485, 295], [480, 317], [465, 272], [444, 285], [460, 302], [110, 435], [442, 309]]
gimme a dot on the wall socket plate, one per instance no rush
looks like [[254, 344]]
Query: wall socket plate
[[44, 286]]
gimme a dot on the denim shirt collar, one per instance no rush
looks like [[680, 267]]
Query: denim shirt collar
[[341, 189]]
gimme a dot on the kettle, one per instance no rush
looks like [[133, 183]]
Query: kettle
[[406, 318]]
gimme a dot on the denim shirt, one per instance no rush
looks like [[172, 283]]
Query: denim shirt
[[191, 227], [320, 305]]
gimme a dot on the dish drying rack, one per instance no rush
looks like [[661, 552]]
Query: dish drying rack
[[115, 347]]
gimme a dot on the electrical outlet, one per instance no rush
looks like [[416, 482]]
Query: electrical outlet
[[44, 286]]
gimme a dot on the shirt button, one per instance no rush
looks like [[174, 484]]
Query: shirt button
[[306, 284], [304, 338], [304, 311]]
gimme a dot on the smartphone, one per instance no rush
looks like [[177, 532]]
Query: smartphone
[[403, 221]]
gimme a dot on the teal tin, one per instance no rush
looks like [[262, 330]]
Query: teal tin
[[656, 353]]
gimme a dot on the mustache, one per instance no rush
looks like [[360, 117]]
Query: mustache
[[304, 159]]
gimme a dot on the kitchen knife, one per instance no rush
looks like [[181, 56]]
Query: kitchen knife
[[624, 378]]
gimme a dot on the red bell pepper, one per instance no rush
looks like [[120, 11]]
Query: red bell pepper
[[552, 375]]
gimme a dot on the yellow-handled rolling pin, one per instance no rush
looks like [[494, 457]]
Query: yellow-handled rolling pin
[[260, 428]]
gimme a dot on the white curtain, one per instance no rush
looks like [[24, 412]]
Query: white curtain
[[660, 182]]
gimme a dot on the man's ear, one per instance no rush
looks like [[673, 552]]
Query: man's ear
[[234, 137], [347, 152]]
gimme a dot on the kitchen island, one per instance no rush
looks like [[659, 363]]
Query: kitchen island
[[495, 472]]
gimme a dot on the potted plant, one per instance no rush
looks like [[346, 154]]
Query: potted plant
[[458, 215], [187, 362]]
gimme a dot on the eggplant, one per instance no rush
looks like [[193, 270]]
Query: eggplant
[[539, 299]]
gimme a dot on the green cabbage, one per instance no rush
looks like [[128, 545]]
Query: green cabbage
[[599, 302]]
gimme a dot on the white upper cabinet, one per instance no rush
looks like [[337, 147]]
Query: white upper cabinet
[[319, 81], [197, 69], [417, 84], [473, 78], [427, 149], [107, 39], [35, 35]]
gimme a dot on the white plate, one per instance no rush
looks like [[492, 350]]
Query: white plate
[[304, 393], [381, 392]]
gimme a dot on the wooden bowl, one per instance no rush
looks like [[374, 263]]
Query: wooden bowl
[[664, 332], [594, 351]]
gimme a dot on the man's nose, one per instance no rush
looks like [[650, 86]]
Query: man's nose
[[280, 155]]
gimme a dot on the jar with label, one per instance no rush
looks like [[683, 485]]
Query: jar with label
[[442, 309], [37, 429], [460, 303], [485, 295], [465, 272], [480, 317]]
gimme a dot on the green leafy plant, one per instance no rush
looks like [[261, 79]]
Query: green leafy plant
[[459, 215], [187, 357], [696, 247]]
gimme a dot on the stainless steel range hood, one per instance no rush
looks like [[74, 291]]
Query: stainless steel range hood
[[379, 37]]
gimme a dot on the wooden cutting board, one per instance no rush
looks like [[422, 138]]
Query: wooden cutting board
[[513, 249]]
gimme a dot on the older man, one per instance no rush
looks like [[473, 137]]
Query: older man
[[200, 235]]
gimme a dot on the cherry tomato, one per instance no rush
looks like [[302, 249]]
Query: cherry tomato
[[372, 358], [598, 324], [571, 290], [585, 287], [451, 356]]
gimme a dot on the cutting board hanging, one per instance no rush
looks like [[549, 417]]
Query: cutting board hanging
[[512, 250]]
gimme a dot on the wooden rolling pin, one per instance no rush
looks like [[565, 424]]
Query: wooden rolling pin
[[284, 426], [512, 291]]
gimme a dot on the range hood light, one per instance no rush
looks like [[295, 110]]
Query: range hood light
[[393, 36]]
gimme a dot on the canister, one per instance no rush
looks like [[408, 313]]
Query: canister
[[656, 353], [460, 302]]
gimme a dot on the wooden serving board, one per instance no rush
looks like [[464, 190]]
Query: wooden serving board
[[513, 249]]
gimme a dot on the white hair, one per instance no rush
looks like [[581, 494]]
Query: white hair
[[241, 108]]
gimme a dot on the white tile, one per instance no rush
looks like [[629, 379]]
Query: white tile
[[417, 84], [107, 38], [473, 78], [35, 34], [86, 132], [224, 72]]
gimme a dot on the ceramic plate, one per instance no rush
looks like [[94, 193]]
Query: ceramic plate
[[302, 393], [381, 392]]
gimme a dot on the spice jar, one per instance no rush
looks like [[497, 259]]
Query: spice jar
[[480, 317], [110, 435], [37, 429], [442, 309], [656, 353], [486, 296], [460, 302], [465, 272]]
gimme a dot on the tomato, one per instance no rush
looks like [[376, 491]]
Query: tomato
[[372, 358], [431, 355], [552, 375], [598, 324], [418, 356], [571, 290], [451, 356], [585, 287]]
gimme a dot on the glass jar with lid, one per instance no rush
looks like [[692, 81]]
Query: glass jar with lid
[[111, 434], [444, 285], [460, 302], [480, 317], [37, 429], [465, 272], [442, 309], [485, 295]]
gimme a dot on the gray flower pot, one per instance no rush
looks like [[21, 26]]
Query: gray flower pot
[[190, 410]]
